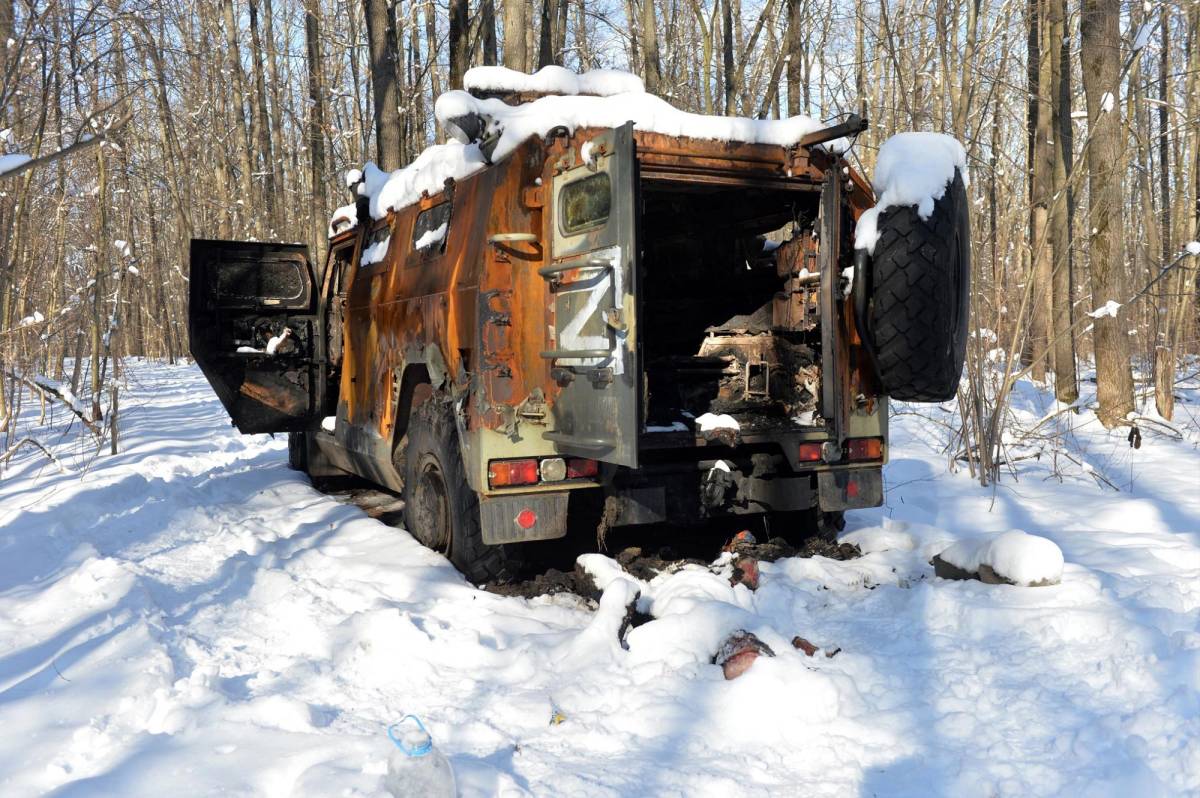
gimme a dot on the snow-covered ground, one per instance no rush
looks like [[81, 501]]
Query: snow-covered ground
[[189, 617]]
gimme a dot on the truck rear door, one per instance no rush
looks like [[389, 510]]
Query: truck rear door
[[592, 344], [255, 333]]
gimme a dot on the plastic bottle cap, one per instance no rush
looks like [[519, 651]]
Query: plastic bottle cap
[[413, 742]]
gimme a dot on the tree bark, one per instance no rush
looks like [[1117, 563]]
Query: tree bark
[[487, 21], [1066, 382], [515, 24], [460, 57], [652, 72], [316, 128], [381, 39], [244, 144], [795, 50], [1101, 62], [263, 125], [1041, 168]]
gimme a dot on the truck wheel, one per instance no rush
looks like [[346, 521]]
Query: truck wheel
[[440, 509], [298, 451], [920, 281]]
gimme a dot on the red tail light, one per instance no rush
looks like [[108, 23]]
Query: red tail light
[[864, 448], [506, 473], [809, 453], [577, 467]]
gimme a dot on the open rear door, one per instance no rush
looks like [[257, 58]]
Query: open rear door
[[253, 326], [593, 276]]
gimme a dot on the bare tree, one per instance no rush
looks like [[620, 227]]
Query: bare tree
[[1101, 60], [381, 38]]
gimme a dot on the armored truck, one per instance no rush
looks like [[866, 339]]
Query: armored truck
[[593, 327]]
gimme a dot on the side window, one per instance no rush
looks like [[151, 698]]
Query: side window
[[267, 280], [375, 251], [430, 229], [585, 204]]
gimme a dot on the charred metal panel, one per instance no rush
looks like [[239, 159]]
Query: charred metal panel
[[593, 351], [255, 333]]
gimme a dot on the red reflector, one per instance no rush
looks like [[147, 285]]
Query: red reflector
[[526, 518], [864, 448], [578, 467], [503, 473], [809, 452], [852, 488]]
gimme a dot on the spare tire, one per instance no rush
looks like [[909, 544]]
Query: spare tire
[[918, 300]]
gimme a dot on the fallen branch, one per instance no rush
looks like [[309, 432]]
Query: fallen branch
[[60, 392], [37, 445]]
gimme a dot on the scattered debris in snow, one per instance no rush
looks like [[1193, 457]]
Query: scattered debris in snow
[[1014, 557], [912, 169], [738, 652], [376, 252], [1109, 308], [194, 617]]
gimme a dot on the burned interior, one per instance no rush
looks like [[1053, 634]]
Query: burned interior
[[730, 325]]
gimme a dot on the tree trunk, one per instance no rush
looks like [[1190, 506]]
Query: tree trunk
[[263, 125], [795, 51], [515, 23], [244, 144], [1066, 382], [318, 220], [546, 35], [1041, 168], [652, 72], [487, 21], [727, 49], [1101, 61], [460, 56], [381, 39]]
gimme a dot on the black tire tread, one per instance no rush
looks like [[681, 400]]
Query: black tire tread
[[920, 284], [432, 429]]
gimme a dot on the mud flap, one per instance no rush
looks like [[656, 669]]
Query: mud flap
[[523, 517], [854, 489]]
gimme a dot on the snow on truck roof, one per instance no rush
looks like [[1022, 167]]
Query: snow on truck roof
[[599, 98]]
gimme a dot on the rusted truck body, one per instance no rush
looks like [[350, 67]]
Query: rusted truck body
[[592, 311]]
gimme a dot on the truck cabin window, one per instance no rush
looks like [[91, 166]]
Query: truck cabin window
[[270, 281], [585, 203], [429, 231]]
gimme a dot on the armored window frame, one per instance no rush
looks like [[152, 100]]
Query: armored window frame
[[567, 194]]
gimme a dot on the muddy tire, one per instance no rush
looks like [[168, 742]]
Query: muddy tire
[[298, 451], [919, 295], [440, 508]]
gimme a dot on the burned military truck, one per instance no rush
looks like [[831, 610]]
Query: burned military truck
[[544, 328]]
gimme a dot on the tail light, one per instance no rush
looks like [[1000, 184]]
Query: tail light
[[528, 471], [809, 452], [577, 467], [864, 449], [508, 473]]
